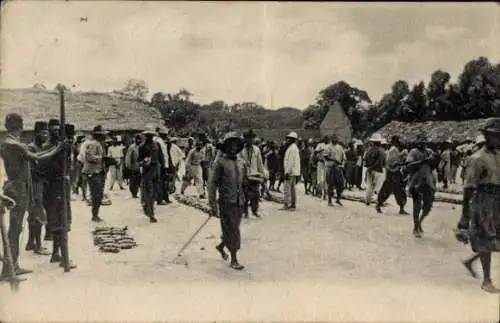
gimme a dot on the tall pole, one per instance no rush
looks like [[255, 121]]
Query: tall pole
[[65, 250]]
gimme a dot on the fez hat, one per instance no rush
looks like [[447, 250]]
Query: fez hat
[[249, 134], [41, 125], [232, 136], [492, 126], [54, 123], [98, 130], [69, 129]]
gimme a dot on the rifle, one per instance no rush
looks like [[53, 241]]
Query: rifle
[[7, 203], [66, 181]]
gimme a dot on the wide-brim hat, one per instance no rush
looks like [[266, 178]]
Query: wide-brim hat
[[376, 138], [162, 130], [492, 126], [232, 136], [480, 139], [292, 135], [149, 129], [249, 134], [98, 130]]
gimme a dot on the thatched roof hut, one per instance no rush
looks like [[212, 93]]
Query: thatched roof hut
[[84, 109], [437, 131]]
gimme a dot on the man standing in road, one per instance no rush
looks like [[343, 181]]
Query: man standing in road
[[393, 183], [227, 182], [291, 169], [255, 172], [37, 216], [133, 166], [92, 156]]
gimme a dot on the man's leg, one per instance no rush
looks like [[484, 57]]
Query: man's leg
[[427, 202], [370, 186], [287, 194], [339, 184], [417, 207], [230, 217], [198, 181], [293, 192], [329, 184], [486, 264]]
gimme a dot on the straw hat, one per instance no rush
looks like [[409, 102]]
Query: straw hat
[[149, 129], [376, 137], [292, 135]]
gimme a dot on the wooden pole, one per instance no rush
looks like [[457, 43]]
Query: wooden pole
[[61, 88]]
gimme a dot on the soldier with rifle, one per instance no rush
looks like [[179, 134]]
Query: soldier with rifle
[[36, 213], [16, 156], [54, 190]]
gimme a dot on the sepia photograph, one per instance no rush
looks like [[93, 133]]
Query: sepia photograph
[[249, 161]]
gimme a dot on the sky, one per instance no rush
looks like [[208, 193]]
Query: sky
[[274, 54]]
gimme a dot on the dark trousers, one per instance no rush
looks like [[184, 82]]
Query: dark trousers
[[393, 184], [335, 181], [423, 198], [149, 189], [161, 188], [135, 181], [357, 176], [230, 219], [252, 195], [273, 175], [96, 188]]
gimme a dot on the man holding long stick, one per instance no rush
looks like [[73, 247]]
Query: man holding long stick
[[227, 178]]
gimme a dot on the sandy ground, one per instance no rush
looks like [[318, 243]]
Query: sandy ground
[[318, 264]]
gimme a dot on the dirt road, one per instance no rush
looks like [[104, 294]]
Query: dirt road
[[320, 263]]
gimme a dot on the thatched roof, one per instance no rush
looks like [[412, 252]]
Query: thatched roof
[[437, 131], [84, 109]]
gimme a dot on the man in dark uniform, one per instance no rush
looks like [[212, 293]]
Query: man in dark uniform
[[57, 184], [150, 158], [16, 156], [48, 194], [37, 217]]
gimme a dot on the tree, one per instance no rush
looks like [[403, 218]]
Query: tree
[[348, 97], [137, 89], [437, 96]]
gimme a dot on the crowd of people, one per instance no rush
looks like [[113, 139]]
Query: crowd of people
[[235, 172]]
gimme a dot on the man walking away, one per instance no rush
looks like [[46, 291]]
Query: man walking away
[[374, 163], [291, 166], [226, 182], [305, 158], [334, 160], [16, 157], [132, 164], [36, 214], [94, 169], [150, 156], [393, 178], [422, 183]]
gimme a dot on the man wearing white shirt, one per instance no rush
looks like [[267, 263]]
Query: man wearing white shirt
[[115, 151], [291, 167]]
